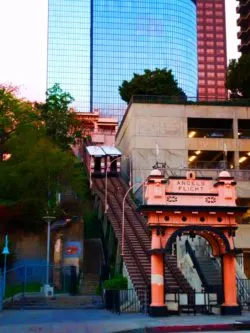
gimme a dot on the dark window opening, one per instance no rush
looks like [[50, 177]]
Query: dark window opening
[[244, 128], [97, 167], [113, 166], [210, 128], [244, 160], [205, 159]]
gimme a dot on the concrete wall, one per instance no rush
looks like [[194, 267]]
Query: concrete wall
[[147, 125], [29, 246]]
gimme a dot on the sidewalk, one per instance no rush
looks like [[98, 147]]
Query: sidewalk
[[102, 321]]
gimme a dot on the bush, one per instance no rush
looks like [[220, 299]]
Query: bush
[[117, 283]]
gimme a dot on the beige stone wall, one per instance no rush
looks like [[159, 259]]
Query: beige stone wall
[[165, 125]]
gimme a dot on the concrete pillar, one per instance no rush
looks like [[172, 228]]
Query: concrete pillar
[[236, 159], [230, 305], [235, 135]]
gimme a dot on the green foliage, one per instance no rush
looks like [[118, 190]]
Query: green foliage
[[38, 137], [13, 113], [238, 77], [158, 82], [98, 290], [61, 124], [37, 167], [117, 283]]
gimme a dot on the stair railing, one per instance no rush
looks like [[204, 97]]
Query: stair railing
[[127, 240], [196, 263], [243, 286]]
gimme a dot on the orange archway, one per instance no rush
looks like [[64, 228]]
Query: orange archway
[[197, 206]]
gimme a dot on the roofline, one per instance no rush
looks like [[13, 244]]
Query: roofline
[[138, 99]]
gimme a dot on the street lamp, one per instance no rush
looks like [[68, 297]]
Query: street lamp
[[5, 252], [106, 184], [48, 219], [123, 211]]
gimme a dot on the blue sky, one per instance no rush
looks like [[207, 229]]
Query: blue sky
[[23, 56]]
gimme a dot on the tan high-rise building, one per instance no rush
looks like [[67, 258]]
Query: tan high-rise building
[[212, 58]]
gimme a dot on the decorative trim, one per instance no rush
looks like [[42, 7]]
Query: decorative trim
[[166, 208], [196, 194], [183, 177], [190, 228], [210, 199], [171, 198]]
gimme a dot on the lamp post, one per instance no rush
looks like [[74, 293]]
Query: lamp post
[[123, 211], [48, 219], [5, 252], [106, 184]]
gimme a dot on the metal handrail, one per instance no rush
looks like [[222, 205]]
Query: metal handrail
[[238, 174], [179, 99], [191, 252]]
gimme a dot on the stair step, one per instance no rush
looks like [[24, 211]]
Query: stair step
[[137, 238]]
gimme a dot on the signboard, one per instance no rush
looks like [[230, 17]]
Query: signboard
[[72, 249], [191, 186]]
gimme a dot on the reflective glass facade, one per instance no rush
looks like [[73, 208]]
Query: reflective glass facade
[[94, 45], [69, 49]]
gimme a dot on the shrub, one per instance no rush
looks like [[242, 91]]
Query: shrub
[[117, 283]]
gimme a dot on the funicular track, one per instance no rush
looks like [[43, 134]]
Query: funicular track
[[137, 240]]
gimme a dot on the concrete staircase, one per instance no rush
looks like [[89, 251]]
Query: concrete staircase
[[209, 272], [90, 284], [137, 241], [93, 261], [58, 302]]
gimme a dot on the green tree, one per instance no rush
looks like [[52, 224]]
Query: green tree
[[238, 77], [37, 167], [158, 82], [61, 124], [14, 111]]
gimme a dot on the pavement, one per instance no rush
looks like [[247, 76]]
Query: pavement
[[103, 321]]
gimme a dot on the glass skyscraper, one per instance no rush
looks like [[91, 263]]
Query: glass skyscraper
[[93, 45]]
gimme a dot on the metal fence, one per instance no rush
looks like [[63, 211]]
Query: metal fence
[[243, 286], [160, 99], [1, 292], [193, 302], [119, 301], [239, 175], [27, 278]]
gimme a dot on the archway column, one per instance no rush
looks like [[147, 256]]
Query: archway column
[[157, 306], [230, 305]]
